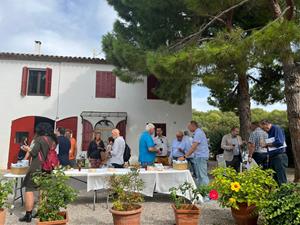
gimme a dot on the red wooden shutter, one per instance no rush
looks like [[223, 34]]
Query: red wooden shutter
[[48, 82], [105, 84], [121, 126], [87, 134], [24, 81], [152, 84]]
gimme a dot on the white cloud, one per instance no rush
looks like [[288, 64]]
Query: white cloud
[[64, 27]]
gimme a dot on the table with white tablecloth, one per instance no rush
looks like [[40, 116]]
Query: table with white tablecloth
[[154, 181]]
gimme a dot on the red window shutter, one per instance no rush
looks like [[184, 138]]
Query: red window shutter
[[24, 81], [105, 84], [48, 81]]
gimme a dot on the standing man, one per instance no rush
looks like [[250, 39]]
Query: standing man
[[231, 144], [179, 146], [256, 144], [278, 160], [201, 153], [147, 150], [73, 148], [162, 145], [64, 146], [118, 149]]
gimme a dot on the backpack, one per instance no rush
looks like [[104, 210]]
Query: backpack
[[51, 161], [127, 153]]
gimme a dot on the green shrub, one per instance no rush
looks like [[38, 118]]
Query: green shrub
[[125, 190], [6, 188], [283, 206], [55, 194]]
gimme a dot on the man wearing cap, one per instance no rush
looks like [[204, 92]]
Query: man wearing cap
[[147, 150]]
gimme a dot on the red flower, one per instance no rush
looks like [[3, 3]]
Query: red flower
[[213, 194]]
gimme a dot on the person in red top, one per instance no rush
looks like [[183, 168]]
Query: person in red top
[[73, 148]]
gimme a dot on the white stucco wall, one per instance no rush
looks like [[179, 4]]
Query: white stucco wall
[[73, 91]]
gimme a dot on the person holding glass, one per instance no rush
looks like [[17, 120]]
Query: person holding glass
[[256, 145]]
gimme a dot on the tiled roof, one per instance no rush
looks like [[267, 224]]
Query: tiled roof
[[49, 58]]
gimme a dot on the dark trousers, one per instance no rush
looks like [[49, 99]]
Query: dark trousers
[[279, 163], [115, 165], [235, 163], [261, 159]]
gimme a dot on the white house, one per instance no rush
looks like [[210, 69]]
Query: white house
[[77, 93]]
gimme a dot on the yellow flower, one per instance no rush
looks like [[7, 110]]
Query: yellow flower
[[235, 186], [232, 200]]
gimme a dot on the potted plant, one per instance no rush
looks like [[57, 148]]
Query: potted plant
[[283, 206], [186, 211], [55, 194], [125, 191], [243, 192], [6, 188]]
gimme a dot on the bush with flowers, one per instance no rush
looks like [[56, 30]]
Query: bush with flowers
[[251, 186]]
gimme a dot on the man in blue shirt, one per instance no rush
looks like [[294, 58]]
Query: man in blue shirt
[[278, 160], [147, 150], [201, 153]]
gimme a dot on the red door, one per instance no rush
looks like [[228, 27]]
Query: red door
[[121, 126], [87, 134], [22, 127], [69, 123]]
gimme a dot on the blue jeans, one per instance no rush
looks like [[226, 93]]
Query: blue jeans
[[200, 168]]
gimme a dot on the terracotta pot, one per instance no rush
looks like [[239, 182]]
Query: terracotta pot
[[56, 222], [132, 217], [2, 216], [188, 215], [245, 215]]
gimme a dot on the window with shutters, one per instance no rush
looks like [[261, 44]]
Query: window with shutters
[[36, 82], [152, 85], [105, 84]]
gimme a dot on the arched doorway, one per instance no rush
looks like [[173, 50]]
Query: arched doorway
[[20, 128], [105, 127]]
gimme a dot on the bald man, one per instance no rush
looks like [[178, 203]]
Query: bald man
[[118, 149], [179, 146]]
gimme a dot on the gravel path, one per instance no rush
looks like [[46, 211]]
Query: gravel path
[[157, 211]]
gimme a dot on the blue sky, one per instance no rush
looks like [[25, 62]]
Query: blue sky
[[68, 27]]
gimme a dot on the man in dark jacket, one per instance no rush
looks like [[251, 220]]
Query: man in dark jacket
[[278, 160], [64, 146]]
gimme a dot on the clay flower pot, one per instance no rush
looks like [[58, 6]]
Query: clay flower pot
[[2, 216], [245, 215], [188, 215], [56, 222], [132, 217]]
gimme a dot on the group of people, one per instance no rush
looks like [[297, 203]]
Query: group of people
[[184, 147], [266, 145], [111, 155]]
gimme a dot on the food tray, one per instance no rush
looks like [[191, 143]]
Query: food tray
[[19, 170], [180, 166]]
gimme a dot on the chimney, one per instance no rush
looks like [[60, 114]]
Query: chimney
[[37, 47]]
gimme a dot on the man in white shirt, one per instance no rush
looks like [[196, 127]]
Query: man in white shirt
[[162, 145], [117, 151]]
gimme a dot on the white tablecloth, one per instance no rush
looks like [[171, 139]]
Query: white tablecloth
[[154, 181]]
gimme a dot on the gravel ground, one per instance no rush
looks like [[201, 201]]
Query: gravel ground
[[157, 210]]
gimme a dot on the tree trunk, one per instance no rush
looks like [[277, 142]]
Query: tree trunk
[[292, 95], [244, 107]]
